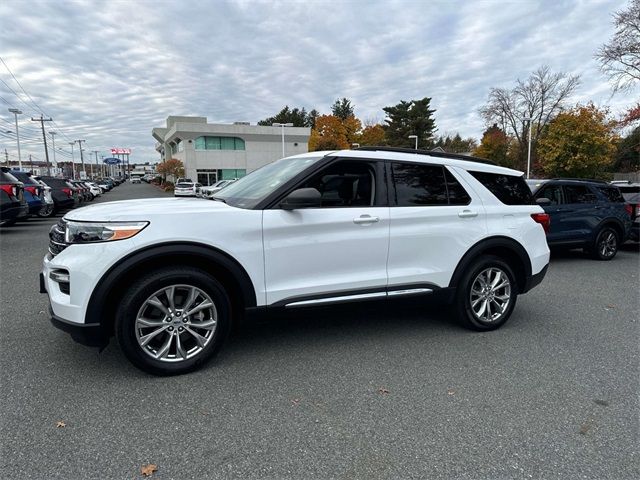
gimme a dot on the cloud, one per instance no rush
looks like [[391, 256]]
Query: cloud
[[108, 72]]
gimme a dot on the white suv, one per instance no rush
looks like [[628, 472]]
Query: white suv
[[168, 277]]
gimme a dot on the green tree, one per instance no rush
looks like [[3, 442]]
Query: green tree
[[455, 143], [627, 157], [410, 118], [495, 145], [311, 118], [298, 116], [578, 143], [342, 108]]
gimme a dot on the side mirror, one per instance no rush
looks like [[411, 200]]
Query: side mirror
[[543, 201], [302, 198]]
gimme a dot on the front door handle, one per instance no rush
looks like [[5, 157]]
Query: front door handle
[[364, 219], [467, 214]]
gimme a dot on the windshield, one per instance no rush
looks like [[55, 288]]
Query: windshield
[[252, 189]]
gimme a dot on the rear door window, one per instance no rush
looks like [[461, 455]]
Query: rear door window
[[419, 184], [579, 194], [509, 189]]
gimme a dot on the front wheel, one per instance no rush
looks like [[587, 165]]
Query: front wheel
[[605, 246], [486, 295], [173, 320]]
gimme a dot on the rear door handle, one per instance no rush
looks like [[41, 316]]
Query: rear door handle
[[467, 214], [364, 219]]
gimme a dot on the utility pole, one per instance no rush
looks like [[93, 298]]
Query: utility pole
[[17, 112], [73, 162], [44, 137], [79, 142], [53, 146], [97, 164], [6, 156], [31, 163]]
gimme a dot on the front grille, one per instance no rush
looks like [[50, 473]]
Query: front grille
[[56, 238]]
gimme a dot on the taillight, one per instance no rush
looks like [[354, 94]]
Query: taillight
[[32, 190], [543, 219], [629, 209], [67, 191], [12, 190]]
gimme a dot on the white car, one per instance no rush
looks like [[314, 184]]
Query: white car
[[136, 180], [94, 188], [210, 191], [168, 277], [184, 189]]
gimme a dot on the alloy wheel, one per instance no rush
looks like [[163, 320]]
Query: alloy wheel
[[490, 294], [176, 323], [608, 244]]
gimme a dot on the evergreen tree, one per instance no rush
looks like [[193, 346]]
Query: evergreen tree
[[410, 118]]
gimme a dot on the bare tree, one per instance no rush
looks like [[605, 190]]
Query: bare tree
[[540, 97], [620, 58]]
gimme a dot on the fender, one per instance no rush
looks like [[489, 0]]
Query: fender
[[491, 243], [611, 220], [101, 307]]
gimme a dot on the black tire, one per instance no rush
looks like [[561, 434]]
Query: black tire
[[605, 246], [462, 303], [127, 330], [47, 211]]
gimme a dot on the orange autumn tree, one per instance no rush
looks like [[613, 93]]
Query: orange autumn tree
[[333, 133], [172, 167], [372, 135]]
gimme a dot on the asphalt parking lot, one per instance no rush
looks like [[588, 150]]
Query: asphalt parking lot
[[373, 391]]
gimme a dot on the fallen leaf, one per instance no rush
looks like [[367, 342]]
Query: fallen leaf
[[451, 391], [60, 424], [611, 306], [604, 403], [147, 470], [585, 428], [383, 391], [295, 402]]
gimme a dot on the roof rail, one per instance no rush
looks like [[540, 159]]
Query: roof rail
[[592, 180], [455, 156]]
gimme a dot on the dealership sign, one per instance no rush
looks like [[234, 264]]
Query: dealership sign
[[112, 161], [120, 151]]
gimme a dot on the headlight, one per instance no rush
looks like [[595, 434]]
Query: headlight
[[85, 232]]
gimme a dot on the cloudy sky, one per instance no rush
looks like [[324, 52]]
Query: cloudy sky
[[110, 71]]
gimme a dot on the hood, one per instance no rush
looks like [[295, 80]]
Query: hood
[[143, 209]]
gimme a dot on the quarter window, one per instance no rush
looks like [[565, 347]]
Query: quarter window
[[509, 189], [612, 194]]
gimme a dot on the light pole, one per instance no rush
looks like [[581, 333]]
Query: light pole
[[79, 142], [17, 112], [282, 125], [53, 146], [530, 120], [416, 139], [73, 162], [97, 164]]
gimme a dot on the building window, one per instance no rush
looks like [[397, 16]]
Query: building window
[[207, 176], [219, 143], [231, 173], [179, 145]]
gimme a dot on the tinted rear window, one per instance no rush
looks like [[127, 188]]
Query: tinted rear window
[[24, 178], [419, 184], [185, 185], [509, 189], [612, 194]]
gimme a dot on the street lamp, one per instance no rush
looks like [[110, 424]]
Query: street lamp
[[530, 120], [416, 139], [282, 125], [17, 112]]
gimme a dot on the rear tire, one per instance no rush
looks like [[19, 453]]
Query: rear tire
[[486, 295], [605, 246], [155, 328], [46, 211]]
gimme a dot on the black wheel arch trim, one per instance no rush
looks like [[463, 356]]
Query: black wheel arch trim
[[125, 265], [611, 221], [488, 243]]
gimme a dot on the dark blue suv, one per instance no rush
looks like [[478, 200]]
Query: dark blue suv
[[585, 213]]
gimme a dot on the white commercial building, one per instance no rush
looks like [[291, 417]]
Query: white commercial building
[[212, 152]]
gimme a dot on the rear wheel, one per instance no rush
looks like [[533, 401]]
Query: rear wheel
[[173, 321], [605, 245], [486, 295], [46, 211]]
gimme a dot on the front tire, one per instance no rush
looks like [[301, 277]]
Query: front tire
[[173, 321], [605, 246], [486, 295]]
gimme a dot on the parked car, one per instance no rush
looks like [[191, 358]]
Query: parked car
[[308, 230], [13, 206], [83, 191], [184, 180], [631, 193], [105, 184], [48, 209], [186, 189], [136, 180], [210, 191], [65, 195], [33, 191], [588, 214], [94, 189]]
